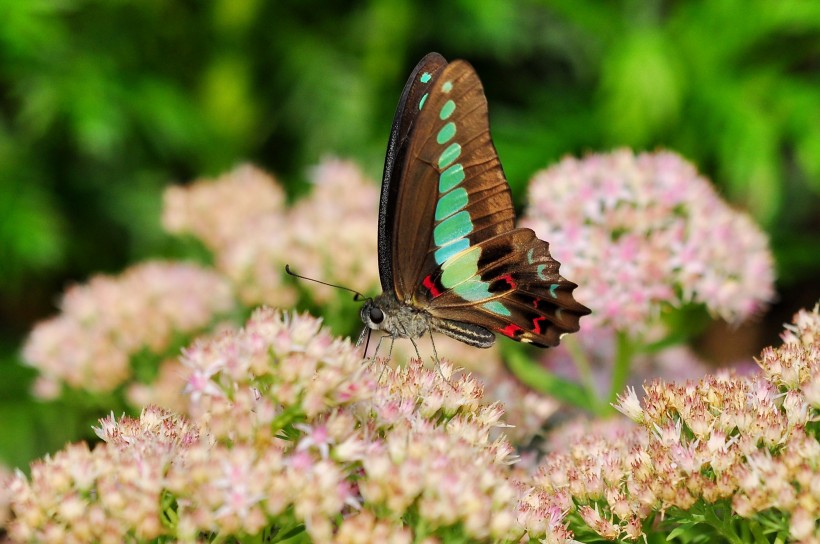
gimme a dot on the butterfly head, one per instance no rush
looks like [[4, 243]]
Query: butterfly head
[[372, 315], [385, 313]]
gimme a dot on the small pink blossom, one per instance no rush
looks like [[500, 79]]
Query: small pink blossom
[[723, 437], [106, 321], [639, 231]]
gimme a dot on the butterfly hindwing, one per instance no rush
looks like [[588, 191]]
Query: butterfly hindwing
[[508, 284]]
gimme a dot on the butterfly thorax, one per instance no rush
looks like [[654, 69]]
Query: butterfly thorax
[[385, 313]]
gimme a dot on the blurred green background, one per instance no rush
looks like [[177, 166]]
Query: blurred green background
[[103, 103]]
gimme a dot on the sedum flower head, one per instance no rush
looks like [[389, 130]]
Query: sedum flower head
[[333, 230], [290, 428], [743, 441], [638, 231], [104, 322], [220, 211], [241, 217], [525, 411], [107, 494], [6, 477]]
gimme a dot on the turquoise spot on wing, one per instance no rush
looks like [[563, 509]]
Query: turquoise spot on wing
[[529, 255], [460, 268], [447, 110], [497, 308], [421, 102], [451, 202], [450, 178], [454, 227], [473, 289], [553, 287], [447, 87], [443, 254], [540, 271], [425, 77], [449, 155], [446, 133]]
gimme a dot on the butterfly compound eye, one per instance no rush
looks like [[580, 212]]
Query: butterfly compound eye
[[376, 315]]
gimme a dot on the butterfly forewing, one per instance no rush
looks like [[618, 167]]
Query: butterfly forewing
[[413, 96], [453, 191]]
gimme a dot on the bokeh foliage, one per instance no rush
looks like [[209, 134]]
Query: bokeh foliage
[[102, 103]]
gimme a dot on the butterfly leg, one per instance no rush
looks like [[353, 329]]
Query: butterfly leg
[[416, 347], [438, 361], [390, 351], [433, 343], [378, 348]]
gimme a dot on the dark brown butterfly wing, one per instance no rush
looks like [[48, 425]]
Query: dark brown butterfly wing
[[452, 185], [407, 112], [448, 218]]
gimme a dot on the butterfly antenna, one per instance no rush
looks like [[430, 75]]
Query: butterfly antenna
[[357, 295]]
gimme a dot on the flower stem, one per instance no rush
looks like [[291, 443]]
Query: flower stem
[[543, 381], [624, 349], [581, 361]]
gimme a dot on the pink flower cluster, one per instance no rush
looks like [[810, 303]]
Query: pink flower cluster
[[334, 230], [104, 322], [289, 428], [329, 235], [240, 217], [796, 364], [6, 477], [743, 440], [639, 231], [525, 411]]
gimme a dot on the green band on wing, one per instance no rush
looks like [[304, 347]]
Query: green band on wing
[[447, 87], [447, 110], [529, 255], [454, 227], [497, 308], [553, 287], [446, 133], [461, 268], [540, 271], [473, 289], [443, 254], [449, 155], [450, 178], [451, 202], [421, 102], [425, 77]]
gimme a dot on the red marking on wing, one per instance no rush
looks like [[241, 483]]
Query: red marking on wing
[[510, 330], [509, 279], [428, 283], [536, 328], [535, 302]]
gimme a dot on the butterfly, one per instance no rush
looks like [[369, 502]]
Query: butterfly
[[450, 258]]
